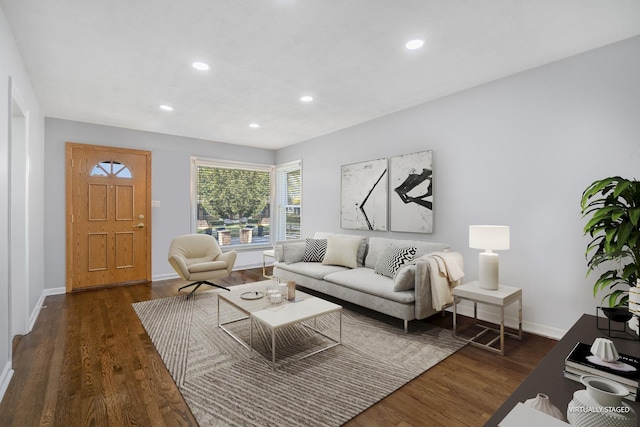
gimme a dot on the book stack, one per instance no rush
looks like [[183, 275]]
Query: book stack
[[625, 371]]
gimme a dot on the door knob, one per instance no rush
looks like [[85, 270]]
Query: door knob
[[139, 225]]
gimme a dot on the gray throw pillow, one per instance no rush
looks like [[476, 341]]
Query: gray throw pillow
[[405, 278], [294, 252], [314, 250], [392, 259]]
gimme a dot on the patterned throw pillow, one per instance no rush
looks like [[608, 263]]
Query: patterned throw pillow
[[392, 259], [314, 250]]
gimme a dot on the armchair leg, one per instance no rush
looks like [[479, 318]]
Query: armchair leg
[[200, 283]]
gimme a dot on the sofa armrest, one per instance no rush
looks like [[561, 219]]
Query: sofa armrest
[[229, 258], [180, 266], [422, 289], [435, 281]]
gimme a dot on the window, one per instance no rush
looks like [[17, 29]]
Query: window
[[288, 209], [233, 202], [111, 168]]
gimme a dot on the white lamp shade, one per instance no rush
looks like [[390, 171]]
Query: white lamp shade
[[492, 237]]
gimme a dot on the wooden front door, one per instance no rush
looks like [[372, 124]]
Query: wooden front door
[[108, 216]]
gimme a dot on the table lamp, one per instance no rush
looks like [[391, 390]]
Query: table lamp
[[490, 238]]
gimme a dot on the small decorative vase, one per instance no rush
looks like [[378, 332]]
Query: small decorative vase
[[542, 403], [272, 287], [604, 349], [600, 404], [604, 391], [291, 290]]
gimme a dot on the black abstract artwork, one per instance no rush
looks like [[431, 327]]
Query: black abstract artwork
[[411, 178], [364, 196]]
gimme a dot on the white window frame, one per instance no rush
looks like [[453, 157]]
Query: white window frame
[[215, 163], [278, 209]]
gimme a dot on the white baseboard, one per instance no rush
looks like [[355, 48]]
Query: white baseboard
[[54, 291], [160, 277], [5, 379], [512, 322], [36, 311], [248, 266]]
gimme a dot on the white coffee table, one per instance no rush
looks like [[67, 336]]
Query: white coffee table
[[305, 308]]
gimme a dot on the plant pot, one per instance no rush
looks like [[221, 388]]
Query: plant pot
[[617, 314]]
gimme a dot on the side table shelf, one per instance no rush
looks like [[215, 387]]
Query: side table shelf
[[502, 297]]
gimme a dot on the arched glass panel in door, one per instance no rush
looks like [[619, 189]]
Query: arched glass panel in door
[[111, 168]]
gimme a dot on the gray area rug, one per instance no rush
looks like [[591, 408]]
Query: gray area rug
[[225, 384]]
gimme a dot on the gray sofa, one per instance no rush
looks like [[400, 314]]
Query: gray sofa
[[353, 269]]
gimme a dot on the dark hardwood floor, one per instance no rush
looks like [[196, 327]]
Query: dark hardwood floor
[[89, 362]]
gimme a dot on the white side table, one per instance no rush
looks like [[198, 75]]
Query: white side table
[[502, 297], [270, 253]]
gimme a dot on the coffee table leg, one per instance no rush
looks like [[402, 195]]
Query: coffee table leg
[[340, 326]]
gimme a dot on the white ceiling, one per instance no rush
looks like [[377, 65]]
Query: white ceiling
[[114, 62]]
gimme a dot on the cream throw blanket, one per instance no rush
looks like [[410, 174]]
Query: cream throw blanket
[[445, 270]]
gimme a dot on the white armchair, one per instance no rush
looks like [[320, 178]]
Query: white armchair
[[198, 257]]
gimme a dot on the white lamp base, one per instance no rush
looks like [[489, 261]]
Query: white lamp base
[[489, 271]]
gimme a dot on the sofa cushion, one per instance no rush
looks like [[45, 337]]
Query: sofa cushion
[[315, 270], [294, 252], [367, 281], [377, 245], [405, 278], [207, 266], [342, 250], [392, 259], [314, 250]]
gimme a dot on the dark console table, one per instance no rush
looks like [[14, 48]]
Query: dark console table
[[548, 376]]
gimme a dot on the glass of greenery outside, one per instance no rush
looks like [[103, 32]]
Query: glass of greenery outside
[[612, 206], [233, 199]]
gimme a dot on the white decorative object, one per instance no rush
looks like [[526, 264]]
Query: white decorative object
[[489, 238], [276, 298], [604, 349], [600, 405], [542, 403]]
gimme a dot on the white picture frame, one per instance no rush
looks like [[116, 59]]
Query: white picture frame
[[364, 196], [411, 192]]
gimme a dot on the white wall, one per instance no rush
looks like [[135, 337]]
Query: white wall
[[11, 66], [171, 186], [519, 152]]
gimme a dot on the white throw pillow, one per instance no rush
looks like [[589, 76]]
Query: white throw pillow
[[342, 251]]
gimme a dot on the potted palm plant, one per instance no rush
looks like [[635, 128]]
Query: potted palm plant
[[612, 206]]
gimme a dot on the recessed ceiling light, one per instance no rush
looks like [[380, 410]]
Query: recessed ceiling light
[[166, 107], [306, 98], [202, 66], [414, 44], [254, 125]]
